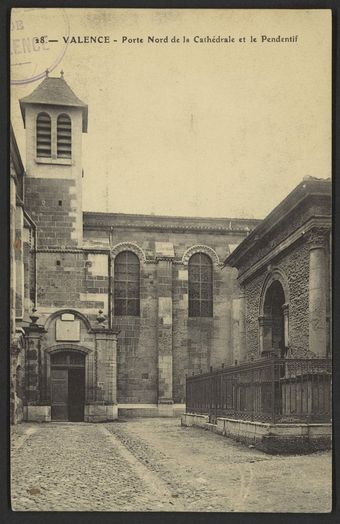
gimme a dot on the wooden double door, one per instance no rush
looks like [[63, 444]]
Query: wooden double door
[[67, 386]]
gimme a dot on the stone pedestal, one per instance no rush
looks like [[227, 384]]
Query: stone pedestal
[[317, 294], [35, 410], [37, 413], [164, 331]]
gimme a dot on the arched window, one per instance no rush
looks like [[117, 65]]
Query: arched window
[[43, 135], [273, 332], [64, 136], [126, 284], [200, 286]]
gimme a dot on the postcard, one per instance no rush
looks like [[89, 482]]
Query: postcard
[[171, 220]]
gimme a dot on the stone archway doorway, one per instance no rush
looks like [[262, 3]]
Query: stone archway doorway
[[67, 386], [274, 320]]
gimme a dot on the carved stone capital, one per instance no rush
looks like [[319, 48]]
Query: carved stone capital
[[317, 238], [242, 294], [285, 309], [265, 321]]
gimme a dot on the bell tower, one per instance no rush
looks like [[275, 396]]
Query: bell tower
[[54, 119]]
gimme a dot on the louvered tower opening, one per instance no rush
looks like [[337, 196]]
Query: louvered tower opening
[[64, 138], [43, 135]]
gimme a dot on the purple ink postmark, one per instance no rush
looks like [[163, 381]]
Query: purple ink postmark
[[38, 42]]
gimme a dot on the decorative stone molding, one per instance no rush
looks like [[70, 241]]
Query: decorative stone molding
[[285, 309], [274, 274], [317, 238], [65, 249], [301, 233], [265, 321], [74, 312], [128, 246], [200, 248], [67, 347]]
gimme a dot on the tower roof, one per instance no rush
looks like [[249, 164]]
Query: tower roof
[[54, 91]]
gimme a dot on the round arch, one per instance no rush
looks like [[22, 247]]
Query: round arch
[[129, 246], [274, 315], [74, 312], [199, 248], [273, 276], [57, 348]]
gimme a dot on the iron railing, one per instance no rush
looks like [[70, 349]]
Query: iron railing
[[267, 390]]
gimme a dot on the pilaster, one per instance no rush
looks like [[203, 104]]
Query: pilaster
[[285, 311], [35, 409], [242, 327], [317, 292], [164, 330], [103, 407], [106, 349]]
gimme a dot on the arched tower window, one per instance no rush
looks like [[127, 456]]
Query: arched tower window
[[126, 284], [43, 135], [200, 286], [64, 136]]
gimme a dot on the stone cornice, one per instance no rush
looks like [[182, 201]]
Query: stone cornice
[[308, 188], [34, 329], [113, 221], [175, 228], [312, 223], [95, 250], [104, 331]]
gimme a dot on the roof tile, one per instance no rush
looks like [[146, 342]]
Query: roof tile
[[54, 91]]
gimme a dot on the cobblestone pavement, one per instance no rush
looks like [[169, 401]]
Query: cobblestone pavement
[[157, 465]]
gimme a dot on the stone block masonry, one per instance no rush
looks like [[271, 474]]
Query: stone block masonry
[[164, 331], [270, 438], [285, 277], [295, 265], [53, 205], [74, 260], [158, 348]]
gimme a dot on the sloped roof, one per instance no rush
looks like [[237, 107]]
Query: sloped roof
[[54, 91], [319, 187]]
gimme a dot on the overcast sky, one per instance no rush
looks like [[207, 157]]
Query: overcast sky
[[224, 129]]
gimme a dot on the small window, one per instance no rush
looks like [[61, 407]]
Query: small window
[[64, 137], [200, 286], [126, 284], [43, 135]]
